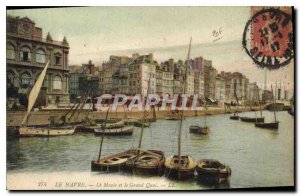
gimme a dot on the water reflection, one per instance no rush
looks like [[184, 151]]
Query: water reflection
[[258, 157]]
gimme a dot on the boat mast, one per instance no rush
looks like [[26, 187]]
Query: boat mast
[[259, 103], [103, 134], [143, 118], [273, 103], [181, 117]]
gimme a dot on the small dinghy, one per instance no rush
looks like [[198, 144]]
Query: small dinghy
[[199, 130], [212, 170], [148, 162], [126, 130], [114, 162], [182, 169]]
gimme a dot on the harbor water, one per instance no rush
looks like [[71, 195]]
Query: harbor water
[[258, 157]]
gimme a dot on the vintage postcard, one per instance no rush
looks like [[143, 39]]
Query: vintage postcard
[[150, 98]]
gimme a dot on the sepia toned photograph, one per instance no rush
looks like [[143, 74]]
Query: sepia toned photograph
[[150, 98]]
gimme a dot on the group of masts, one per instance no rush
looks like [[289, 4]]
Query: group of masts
[[258, 121]]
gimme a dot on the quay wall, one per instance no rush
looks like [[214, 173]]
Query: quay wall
[[14, 118]]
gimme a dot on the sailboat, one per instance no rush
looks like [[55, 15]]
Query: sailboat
[[200, 129], [147, 161], [212, 170], [180, 166], [270, 125], [114, 162], [254, 119], [31, 131]]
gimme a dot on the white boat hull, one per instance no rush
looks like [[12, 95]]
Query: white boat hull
[[45, 131]]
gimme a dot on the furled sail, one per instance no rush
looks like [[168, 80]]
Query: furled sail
[[34, 93]]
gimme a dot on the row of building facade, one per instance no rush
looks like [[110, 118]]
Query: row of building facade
[[28, 52], [131, 75]]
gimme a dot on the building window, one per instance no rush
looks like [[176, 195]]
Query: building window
[[57, 83], [40, 56], [10, 52], [25, 54], [57, 59], [10, 78], [25, 79]]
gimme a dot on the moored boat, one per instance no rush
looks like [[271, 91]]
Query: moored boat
[[147, 162], [31, 131], [37, 131], [252, 119], [180, 168], [114, 162], [213, 170], [271, 125], [140, 124], [199, 130], [126, 130], [172, 118], [234, 117], [114, 125]]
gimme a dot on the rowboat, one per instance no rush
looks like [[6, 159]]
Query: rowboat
[[199, 130], [212, 170], [114, 162], [126, 130], [182, 169], [147, 162]]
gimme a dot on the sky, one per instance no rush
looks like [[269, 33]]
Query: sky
[[95, 33]]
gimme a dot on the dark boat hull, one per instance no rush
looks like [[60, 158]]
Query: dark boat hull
[[273, 125], [108, 168], [234, 117], [212, 171], [84, 129], [199, 130], [252, 120], [114, 132], [150, 162], [115, 162], [179, 174], [180, 170]]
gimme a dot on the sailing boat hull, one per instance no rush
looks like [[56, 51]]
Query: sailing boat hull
[[127, 130], [116, 162], [45, 131], [199, 130], [234, 117], [252, 120], [273, 125], [149, 162], [186, 169], [212, 171]]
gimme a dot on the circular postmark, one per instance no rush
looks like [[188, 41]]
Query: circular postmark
[[268, 38]]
